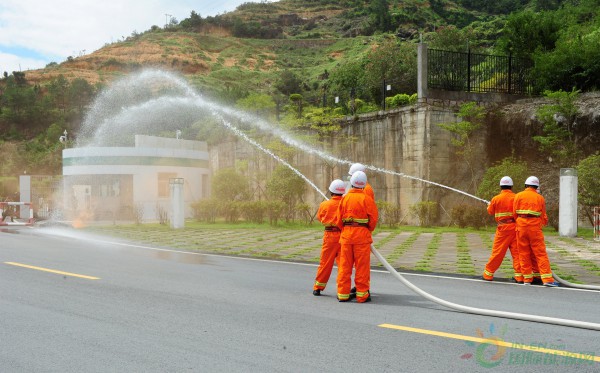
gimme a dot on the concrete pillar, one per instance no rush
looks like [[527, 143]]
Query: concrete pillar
[[567, 204], [421, 71], [25, 195], [177, 205]]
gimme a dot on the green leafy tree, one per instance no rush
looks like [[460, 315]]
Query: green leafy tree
[[510, 166], [558, 120], [59, 91], [259, 103], [298, 101], [380, 15], [390, 61], [288, 83], [472, 118], [588, 175], [80, 94], [286, 186], [528, 32], [229, 185], [573, 63]]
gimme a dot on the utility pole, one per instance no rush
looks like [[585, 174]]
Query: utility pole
[[167, 16]]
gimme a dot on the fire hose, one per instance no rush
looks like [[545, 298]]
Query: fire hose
[[483, 311]]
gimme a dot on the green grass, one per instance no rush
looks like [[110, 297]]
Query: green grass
[[432, 248], [464, 261], [299, 241]]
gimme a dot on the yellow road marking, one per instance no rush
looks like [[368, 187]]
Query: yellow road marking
[[495, 341], [52, 271]]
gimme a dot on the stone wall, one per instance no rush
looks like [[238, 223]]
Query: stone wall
[[406, 141]]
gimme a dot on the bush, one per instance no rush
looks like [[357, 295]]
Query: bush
[[230, 210], [275, 210], [401, 99], [474, 216], [426, 211], [388, 213], [253, 211], [306, 212], [206, 210], [458, 216]]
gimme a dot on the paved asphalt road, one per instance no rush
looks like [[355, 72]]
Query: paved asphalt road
[[141, 309]]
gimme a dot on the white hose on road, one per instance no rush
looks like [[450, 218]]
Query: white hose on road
[[483, 311], [572, 285]]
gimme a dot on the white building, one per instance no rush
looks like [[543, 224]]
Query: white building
[[120, 183]]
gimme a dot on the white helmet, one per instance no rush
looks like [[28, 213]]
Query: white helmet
[[532, 180], [358, 179], [337, 186], [356, 167], [506, 181]]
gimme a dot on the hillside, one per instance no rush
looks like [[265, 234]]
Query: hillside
[[257, 40], [315, 50]]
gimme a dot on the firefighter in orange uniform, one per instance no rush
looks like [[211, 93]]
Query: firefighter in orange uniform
[[529, 209], [357, 218], [361, 167], [331, 237], [505, 238]]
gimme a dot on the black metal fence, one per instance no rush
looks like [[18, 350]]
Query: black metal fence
[[480, 73]]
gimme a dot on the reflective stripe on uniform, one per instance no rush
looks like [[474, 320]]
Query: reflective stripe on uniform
[[547, 275], [502, 214], [317, 283], [360, 294], [488, 273], [528, 212], [349, 220], [343, 296]]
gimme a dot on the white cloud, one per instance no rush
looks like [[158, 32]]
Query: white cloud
[[36, 32]]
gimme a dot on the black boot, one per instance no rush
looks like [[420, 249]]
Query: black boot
[[316, 292]]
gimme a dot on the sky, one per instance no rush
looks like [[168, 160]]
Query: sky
[[34, 33]]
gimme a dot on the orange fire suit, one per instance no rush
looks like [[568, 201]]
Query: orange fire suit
[[357, 218], [330, 248], [505, 238], [369, 191], [529, 209]]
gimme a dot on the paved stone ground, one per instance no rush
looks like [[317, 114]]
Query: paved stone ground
[[573, 259]]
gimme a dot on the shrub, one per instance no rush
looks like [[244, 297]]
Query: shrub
[[388, 213], [306, 212], [476, 216], [458, 216], [206, 210], [401, 99], [253, 211], [275, 210], [426, 211]]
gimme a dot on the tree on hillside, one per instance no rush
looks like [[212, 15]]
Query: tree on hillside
[[472, 118], [80, 93], [559, 120], [527, 32], [394, 62], [288, 83], [259, 103], [380, 15], [588, 174], [59, 91]]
